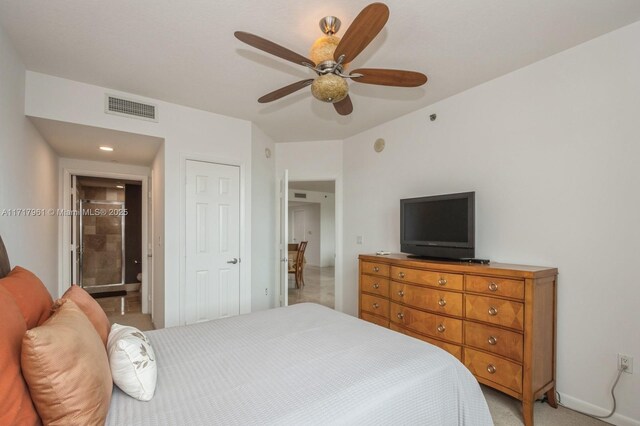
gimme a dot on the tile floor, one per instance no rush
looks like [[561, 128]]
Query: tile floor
[[319, 287], [126, 310]]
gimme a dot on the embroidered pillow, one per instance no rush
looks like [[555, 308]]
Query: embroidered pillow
[[133, 362]]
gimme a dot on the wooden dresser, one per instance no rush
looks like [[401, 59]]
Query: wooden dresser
[[497, 319]]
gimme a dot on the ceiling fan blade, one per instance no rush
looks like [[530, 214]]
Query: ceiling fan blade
[[344, 107], [284, 91], [273, 48], [386, 77], [362, 30]]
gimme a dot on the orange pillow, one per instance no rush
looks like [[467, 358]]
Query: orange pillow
[[16, 407], [31, 296], [91, 309], [66, 367]]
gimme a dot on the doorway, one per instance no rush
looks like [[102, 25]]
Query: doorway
[[311, 213], [107, 234]]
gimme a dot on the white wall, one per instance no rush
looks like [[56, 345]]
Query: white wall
[[552, 152], [188, 133], [310, 227], [263, 219], [28, 177], [327, 223], [309, 160]]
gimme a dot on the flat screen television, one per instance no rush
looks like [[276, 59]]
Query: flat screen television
[[440, 226]]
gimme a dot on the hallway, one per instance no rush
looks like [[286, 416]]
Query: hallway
[[319, 287]]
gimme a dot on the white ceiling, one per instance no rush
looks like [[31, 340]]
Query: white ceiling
[[78, 141], [184, 51]]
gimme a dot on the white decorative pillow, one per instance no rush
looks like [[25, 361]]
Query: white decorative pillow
[[132, 361]]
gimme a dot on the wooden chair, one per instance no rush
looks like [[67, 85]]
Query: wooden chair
[[297, 268]]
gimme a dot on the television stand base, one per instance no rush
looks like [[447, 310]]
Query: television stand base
[[475, 260]]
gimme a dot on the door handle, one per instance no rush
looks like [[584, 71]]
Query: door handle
[[234, 261]]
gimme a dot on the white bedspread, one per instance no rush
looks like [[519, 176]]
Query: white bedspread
[[301, 365]]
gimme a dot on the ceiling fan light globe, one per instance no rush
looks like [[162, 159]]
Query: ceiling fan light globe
[[323, 48], [329, 88]]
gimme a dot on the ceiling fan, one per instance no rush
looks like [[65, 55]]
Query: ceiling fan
[[330, 56]]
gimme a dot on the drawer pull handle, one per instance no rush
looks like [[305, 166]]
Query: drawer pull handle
[[442, 281], [401, 274], [376, 269], [376, 286], [493, 286], [441, 328], [400, 293], [400, 315], [491, 368], [376, 306], [492, 340], [493, 311], [442, 302]]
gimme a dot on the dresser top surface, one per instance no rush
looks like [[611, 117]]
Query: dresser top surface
[[493, 268]]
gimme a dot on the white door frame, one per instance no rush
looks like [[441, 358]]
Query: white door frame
[[339, 285], [245, 229], [282, 240], [65, 226]]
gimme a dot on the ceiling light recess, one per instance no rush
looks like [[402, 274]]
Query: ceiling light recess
[[106, 148]]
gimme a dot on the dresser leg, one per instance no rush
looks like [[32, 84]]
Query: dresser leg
[[527, 412], [551, 397]]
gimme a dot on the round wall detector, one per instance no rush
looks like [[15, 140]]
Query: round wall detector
[[379, 144]]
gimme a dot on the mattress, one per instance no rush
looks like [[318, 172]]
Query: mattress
[[301, 365]]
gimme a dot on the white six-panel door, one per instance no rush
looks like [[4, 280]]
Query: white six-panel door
[[212, 288]]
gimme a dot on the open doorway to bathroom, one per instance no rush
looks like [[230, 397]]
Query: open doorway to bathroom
[[107, 236], [312, 211]]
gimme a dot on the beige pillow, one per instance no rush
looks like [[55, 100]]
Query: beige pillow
[[65, 365], [91, 309]]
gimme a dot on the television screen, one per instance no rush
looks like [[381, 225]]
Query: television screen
[[438, 226], [437, 221]]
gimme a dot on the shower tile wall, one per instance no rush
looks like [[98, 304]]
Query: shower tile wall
[[102, 238]]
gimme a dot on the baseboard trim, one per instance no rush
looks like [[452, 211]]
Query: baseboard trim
[[578, 404]]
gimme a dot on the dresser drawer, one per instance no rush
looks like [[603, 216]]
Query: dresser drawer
[[493, 339], [495, 311], [382, 322], [375, 305], [434, 279], [445, 302], [430, 324], [375, 269], [495, 286], [494, 369], [454, 350], [374, 284]]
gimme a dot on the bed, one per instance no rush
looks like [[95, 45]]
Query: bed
[[299, 365]]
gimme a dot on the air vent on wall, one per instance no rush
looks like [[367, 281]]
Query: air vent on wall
[[299, 195], [128, 108]]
